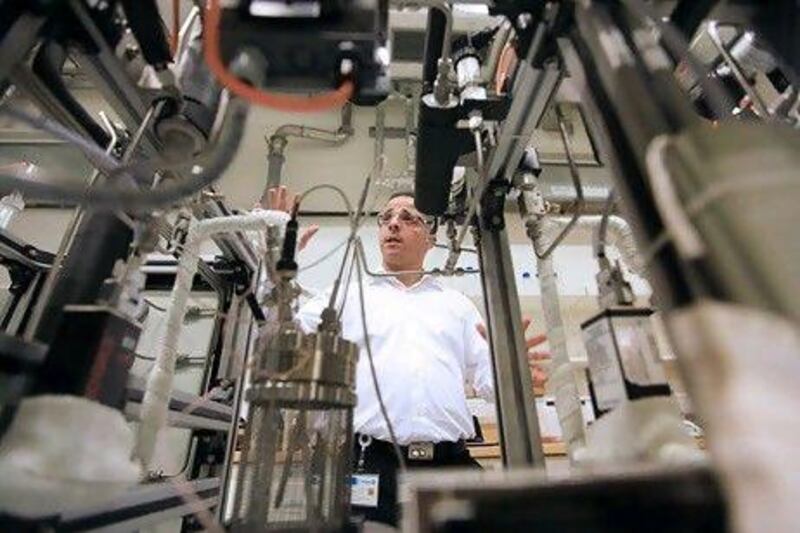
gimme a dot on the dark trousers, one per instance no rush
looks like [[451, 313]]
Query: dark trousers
[[380, 458]]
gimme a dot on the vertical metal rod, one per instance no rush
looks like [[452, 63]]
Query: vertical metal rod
[[519, 426], [380, 137], [455, 253], [233, 436]]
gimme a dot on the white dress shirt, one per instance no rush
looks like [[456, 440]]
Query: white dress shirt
[[425, 347]]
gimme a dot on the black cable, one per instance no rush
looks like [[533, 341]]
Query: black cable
[[154, 306], [159, 475], [602, 229], [47, 66]]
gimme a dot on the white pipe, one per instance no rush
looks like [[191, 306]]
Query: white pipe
[[562, 383], [159, 383], [620, 236]]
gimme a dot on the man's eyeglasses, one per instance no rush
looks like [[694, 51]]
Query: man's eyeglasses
[[404, 216]]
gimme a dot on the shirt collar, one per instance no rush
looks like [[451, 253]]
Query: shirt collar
[[427, 281]]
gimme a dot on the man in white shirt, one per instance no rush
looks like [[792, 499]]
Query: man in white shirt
[[426, 344]]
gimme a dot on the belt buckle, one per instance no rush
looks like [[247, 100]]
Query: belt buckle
[[420, 451]]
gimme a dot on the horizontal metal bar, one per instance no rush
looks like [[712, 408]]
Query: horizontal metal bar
[[389, 133], [13, 249], [183, 401], [178, 419], [141, 506]]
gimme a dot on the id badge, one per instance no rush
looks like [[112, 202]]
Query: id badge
[[364, 489]]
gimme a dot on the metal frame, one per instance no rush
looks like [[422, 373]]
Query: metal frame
[[520, 437], [35, 264], [130, 511]]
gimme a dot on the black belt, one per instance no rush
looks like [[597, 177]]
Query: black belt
[[417, 450]]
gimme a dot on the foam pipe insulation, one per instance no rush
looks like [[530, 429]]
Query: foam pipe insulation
[[64, 451], [562, 382], [620, 236], [160, 381]]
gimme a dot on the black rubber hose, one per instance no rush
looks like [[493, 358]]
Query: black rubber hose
[[47, 66], [147, 26], [434, 40]]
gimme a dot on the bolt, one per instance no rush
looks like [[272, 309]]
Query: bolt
[[524, 20], [346, 67], [475, 120], [131, 52]]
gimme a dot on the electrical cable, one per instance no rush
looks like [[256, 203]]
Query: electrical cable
[[284, 102], [343, 301], [464, 249], [324, 257], [155, 306], [600, 238], [334, 188], [368, 345], [353, 229], [114, 197], [354, 243], [186, 463]]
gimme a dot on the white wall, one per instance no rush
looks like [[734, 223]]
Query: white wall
[[573, 261]]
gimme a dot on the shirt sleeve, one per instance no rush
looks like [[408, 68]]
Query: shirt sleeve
[[309, 315], [478, 360]]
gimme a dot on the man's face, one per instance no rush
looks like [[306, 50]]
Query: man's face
[[404, 236]]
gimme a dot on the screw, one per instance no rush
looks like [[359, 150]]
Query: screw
[[524, 20], [131, 52], [346, 67]]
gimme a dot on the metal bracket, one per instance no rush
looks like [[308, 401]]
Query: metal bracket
[[493, 203]]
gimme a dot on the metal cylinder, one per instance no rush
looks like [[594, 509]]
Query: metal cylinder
[[468, 74], [434, 41], [275, 160], [186, 132], [10, 206], [298, 443]]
